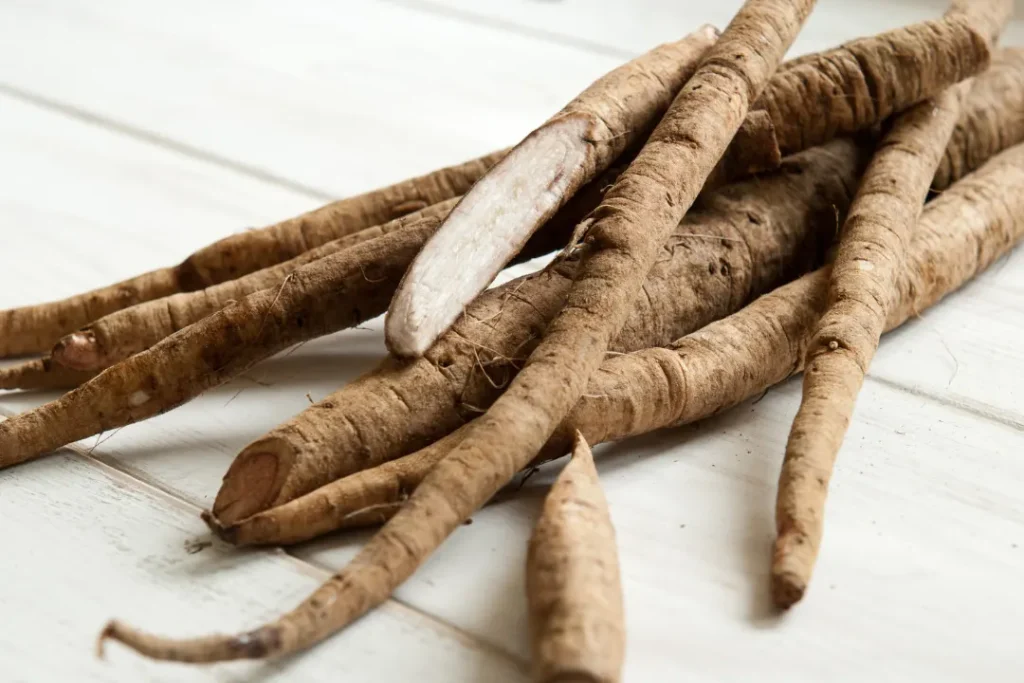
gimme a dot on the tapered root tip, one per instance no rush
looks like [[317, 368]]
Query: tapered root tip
[[256, 644], [78, 351]]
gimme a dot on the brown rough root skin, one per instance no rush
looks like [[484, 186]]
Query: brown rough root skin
[[704, 373], [991, 120], [577, 625], [872, 252], [34, 329], [41, 374], [131, 330], [680, 153], [337, 291], [865, 81], [745, 240]]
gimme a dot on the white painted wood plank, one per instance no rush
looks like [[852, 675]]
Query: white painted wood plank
[[86, 543], [84, 207], [916, 580], [340, 98], [966, 350], [627, 28]]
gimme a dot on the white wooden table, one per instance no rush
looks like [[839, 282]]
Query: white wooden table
[[132, 132]]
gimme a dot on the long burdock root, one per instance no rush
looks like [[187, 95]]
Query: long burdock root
[[337, 291], [871, 255], [526, 187], [332, 293], [682, 150], [34, 329], [867, 80], [577, 625], [860, 293], [745, 240], [131, 330], [991, 120], [41, 374], [124, 333], [724, 363]]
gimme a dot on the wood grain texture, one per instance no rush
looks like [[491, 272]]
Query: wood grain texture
[[920, 566], [338, 100]]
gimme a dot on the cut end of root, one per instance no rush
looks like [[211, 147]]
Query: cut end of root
[[250, 485], [486, 230], [78, 351]]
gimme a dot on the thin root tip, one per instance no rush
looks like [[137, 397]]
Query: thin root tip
[[110, 630]]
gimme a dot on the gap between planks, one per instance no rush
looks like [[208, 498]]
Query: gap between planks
[[161, 141], [112, 469]]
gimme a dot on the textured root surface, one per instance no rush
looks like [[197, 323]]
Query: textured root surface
[[34, 329], [131, 330], [866, 81], [332, 293], [747, 239], [711, 370], [524, 189], [41, 374], [991, 120], [577, 624], [871, 256]]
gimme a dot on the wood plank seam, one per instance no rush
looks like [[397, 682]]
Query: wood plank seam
[[161, 141]]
